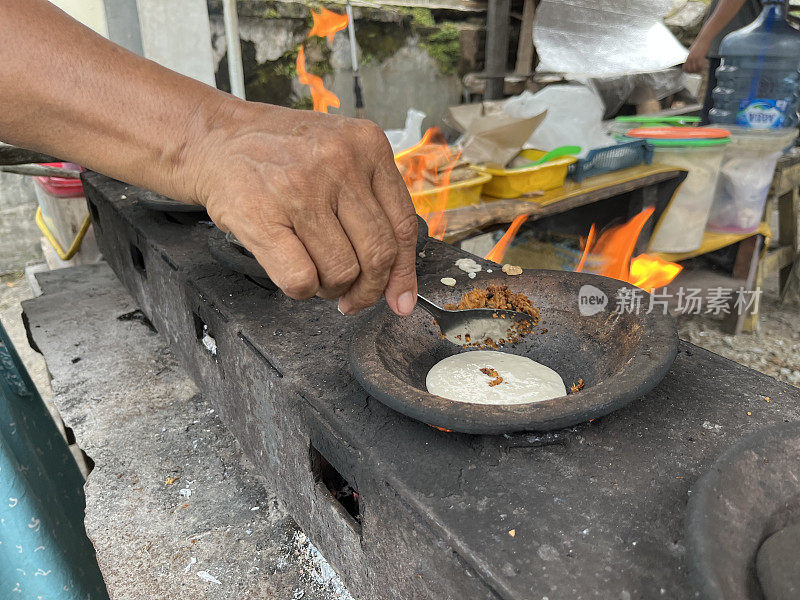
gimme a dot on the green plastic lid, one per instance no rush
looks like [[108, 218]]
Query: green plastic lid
[[687, 143], [693, 137], [672, 121]]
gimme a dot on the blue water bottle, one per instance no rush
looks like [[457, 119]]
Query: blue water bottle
[[757, 82]]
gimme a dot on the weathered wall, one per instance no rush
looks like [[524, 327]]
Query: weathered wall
[[19, 236], [408, 57]]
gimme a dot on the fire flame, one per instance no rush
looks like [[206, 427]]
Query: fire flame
[[426, 168], [497, 253], [615, 247], [612, 250], [326, 24]]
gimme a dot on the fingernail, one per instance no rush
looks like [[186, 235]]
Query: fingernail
[[406, 302], [343, 309]]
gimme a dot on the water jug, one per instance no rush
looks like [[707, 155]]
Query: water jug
[[757, 82]]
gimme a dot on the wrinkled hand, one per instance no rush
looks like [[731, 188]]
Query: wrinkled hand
[[696, 62], [316, 198]]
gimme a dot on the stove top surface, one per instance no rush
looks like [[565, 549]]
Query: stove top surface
[[593, 511]]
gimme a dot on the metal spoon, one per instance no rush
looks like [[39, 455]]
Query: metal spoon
[[476, 326]]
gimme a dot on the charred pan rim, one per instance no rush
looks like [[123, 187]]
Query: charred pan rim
[[160, 203], [721, 546], [648, 365]]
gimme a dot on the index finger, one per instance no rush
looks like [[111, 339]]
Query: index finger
[[392, 194]]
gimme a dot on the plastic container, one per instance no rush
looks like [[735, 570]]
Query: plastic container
[[459, 194], [621, 125], [63, 214], [757, 82], [513, 183], [699, 150], [611, 158], [745, 177]]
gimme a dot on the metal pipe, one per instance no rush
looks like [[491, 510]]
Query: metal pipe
[[235, 68], [41, 171], [496, 48], [351, 31]]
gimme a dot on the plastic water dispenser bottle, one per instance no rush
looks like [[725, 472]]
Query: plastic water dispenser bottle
[[757, 82]]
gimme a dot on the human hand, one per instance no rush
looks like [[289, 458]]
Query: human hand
[[696, 62], [316, 198]]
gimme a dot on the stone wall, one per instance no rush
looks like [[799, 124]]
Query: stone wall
[[409, 57], [19, 236]]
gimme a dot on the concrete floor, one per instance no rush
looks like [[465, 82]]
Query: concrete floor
[[13, 290], [774, 349]]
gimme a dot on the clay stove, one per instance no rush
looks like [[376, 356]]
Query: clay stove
[[593, 511]]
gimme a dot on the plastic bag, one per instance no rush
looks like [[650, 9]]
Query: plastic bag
[[574, 117], [400, 139]]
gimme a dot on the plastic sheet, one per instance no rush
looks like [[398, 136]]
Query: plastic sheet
[[400, 139], [600, 39], [574, 117], [637, 87]]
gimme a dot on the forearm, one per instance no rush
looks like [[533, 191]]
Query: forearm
[[722, 15], [69, 92]]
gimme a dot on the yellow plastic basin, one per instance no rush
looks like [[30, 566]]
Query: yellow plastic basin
[[513, 183], [461, 193]]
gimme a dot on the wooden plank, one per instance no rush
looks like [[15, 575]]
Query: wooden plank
[[788, 215], [525, 49], [747, 268], [713, 241], [776, 259], [462, 222], [787, 173]]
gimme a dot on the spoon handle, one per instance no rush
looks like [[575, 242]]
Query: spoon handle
[[432, 309]]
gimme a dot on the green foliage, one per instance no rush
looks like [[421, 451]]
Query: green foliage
[[444, 46], [421, 17], [304, 103], [379, 41]]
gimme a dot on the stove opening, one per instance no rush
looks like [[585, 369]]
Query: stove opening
[[204, 335], [94, 213], [325, 474], [137, 258]]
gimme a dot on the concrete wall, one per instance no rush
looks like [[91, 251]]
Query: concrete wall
[[89, 12], [408, 58], [19, 236]]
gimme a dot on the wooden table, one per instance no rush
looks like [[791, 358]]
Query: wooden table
[[782, 255], [651, 184]]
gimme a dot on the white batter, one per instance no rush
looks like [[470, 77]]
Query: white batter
[[459, 378]]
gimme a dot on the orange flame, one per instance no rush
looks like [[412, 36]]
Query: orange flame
[[649, 272], [497, 253], [326, 24], [322, 97], [615, 247], [426, 168]]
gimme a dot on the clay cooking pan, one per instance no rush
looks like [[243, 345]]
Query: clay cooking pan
[[619, 356]]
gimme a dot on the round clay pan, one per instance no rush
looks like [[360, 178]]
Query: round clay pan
[[232, 254], [751, 492], [619, 357]]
